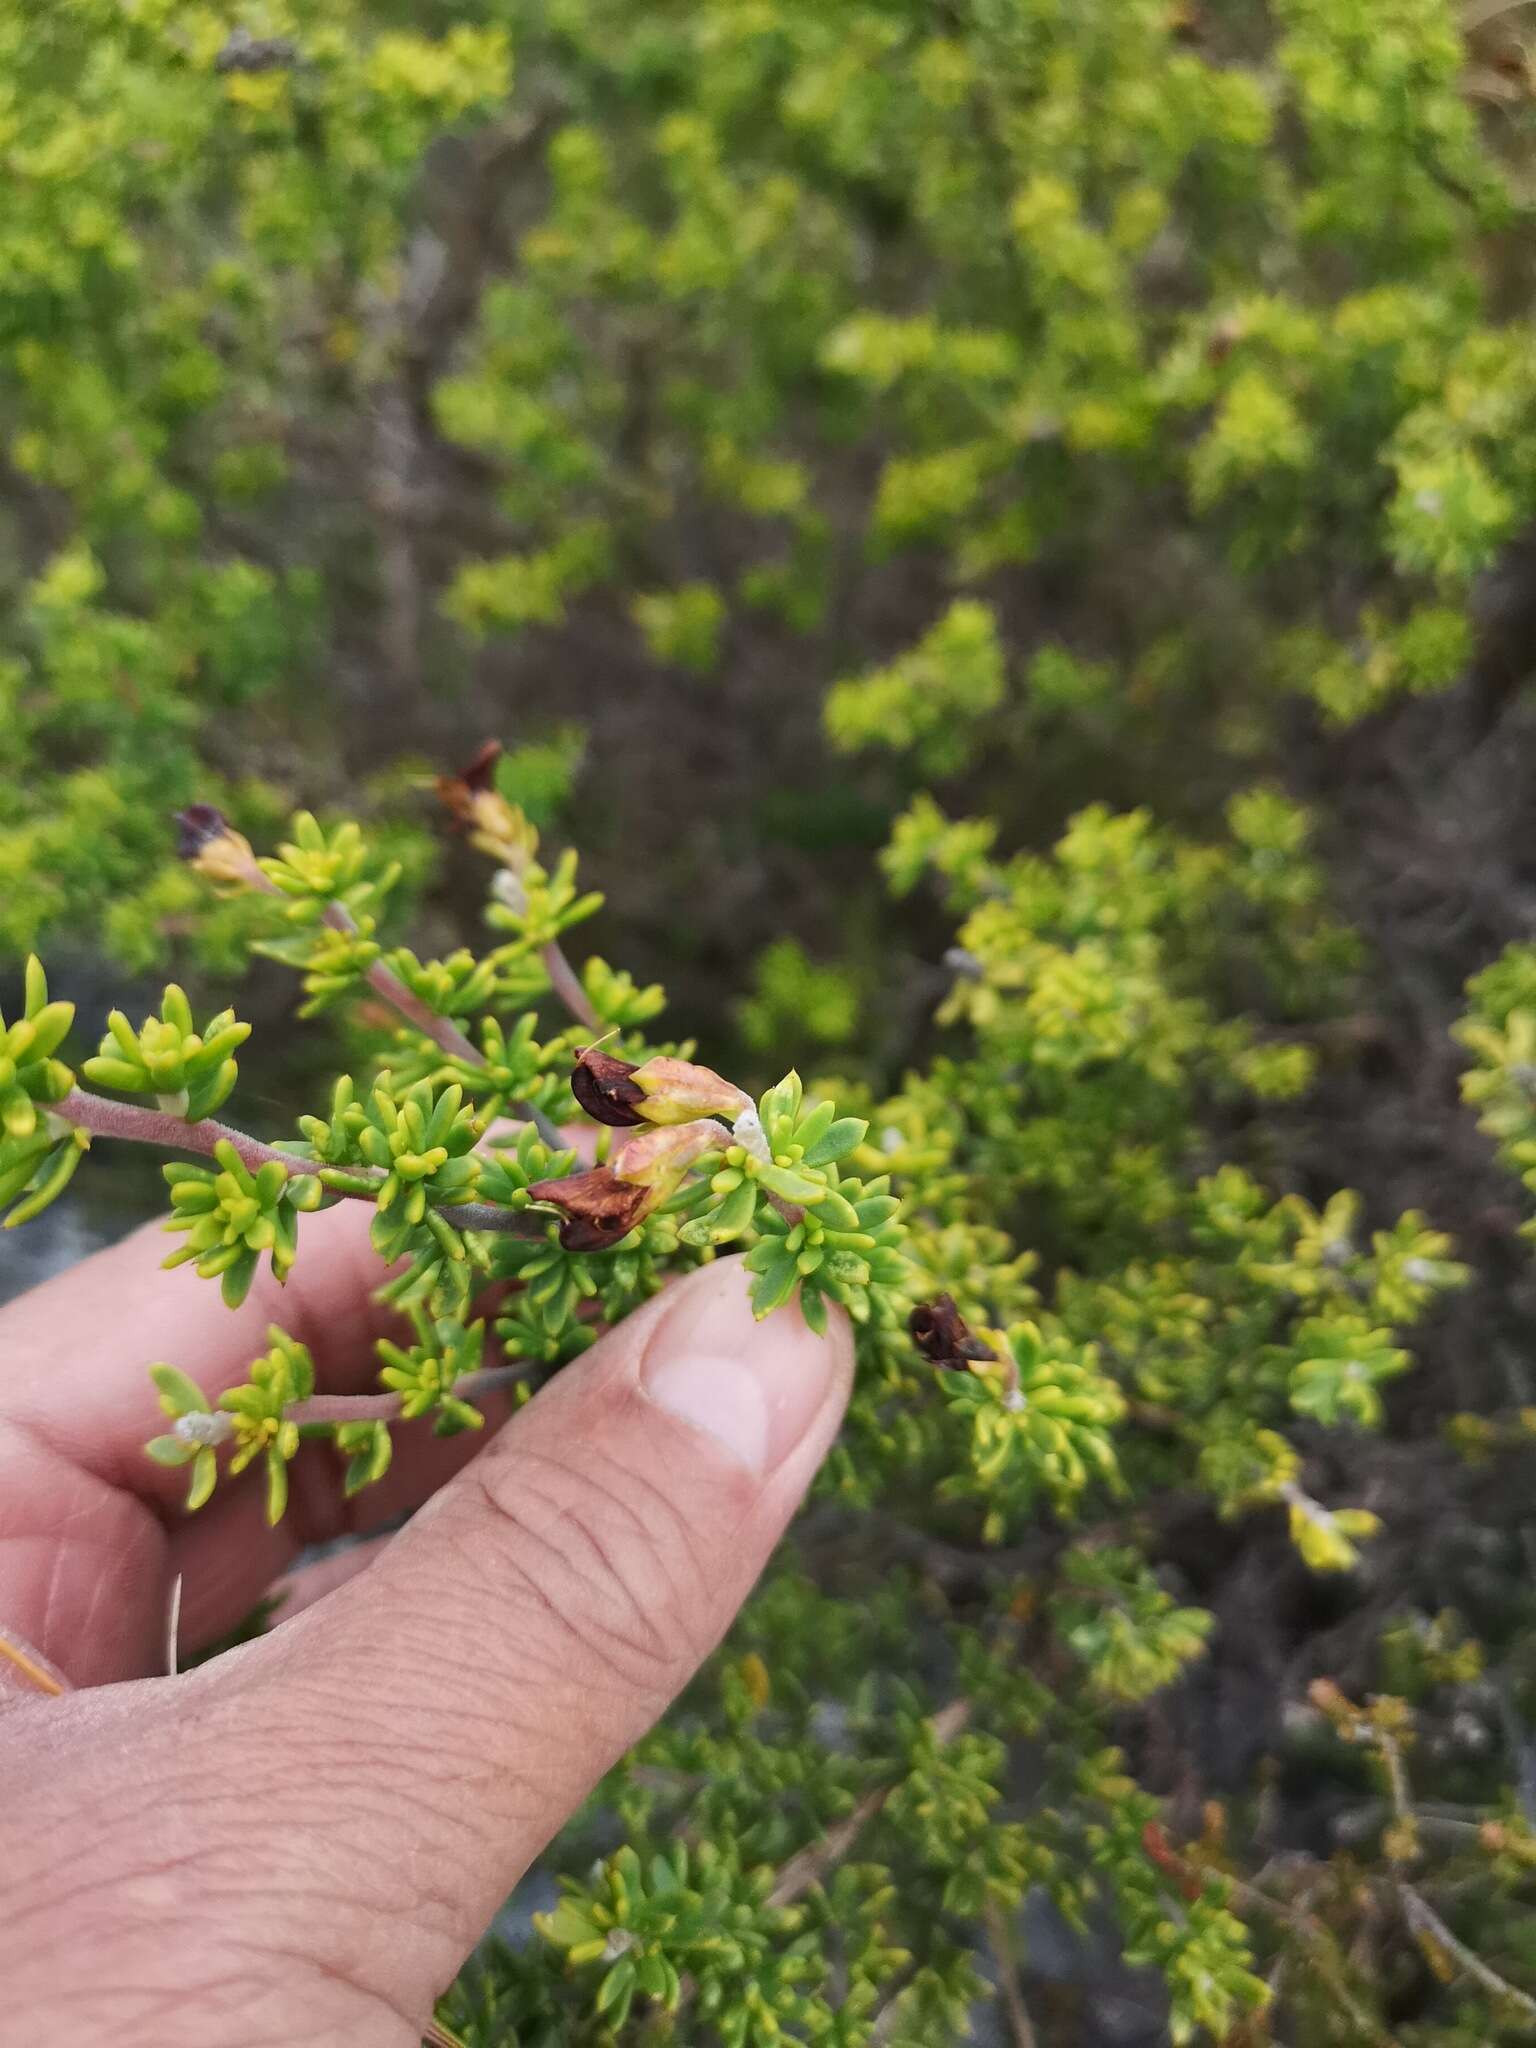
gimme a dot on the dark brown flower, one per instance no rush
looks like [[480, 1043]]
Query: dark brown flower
[[664, 1091], [458, 792], [944, 1337], [196, 827], [478, 807], [207, 841], [481, 772], [599, 1208], [603, 1086]]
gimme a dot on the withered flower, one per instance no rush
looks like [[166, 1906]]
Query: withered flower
[[207, 841], [663, 1091], [457, 791], [605, 1203], [944, 1337], [599, 1208], [605, 1088], [477, 806]]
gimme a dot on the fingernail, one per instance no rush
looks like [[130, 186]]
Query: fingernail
[[755, 1387]]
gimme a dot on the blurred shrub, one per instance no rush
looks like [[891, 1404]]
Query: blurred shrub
[[734, 311]]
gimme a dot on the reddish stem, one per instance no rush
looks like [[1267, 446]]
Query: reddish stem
[[104, 1118], [342, 1408], [442, 1031], [564, 981]]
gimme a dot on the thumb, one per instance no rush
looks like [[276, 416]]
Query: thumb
[[432, 1723]]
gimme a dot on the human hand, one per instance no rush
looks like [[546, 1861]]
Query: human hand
[[303, 1838]]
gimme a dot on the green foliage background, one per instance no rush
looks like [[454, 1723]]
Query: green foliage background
[[1064, 465]]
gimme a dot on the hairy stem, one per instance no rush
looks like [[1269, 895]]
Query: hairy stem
[[104, 1118], [442, 1031], [445, 1034]]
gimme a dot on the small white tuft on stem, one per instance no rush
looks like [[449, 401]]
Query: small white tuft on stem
[[751, 1137], [205, 1430], [508, 890]]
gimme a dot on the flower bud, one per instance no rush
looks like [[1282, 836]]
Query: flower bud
[[208, 842], [944, 1337]]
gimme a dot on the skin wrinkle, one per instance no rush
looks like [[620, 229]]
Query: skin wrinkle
[[33, 1899], [634, 1488], [245, 1999], [331, 1972], [703, 1556], [649, 1672], [323, 1761], [224, 1812], [646, 1639], [668, 1532], [337, 1883], [346, 1821]]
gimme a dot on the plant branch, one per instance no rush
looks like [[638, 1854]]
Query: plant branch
[[1321, 1945], [888, 2018], [1020, 2025], [442, 1031], [566, 983], [104, 1118], [446, 1035], [173, 1629], [1426, 1925], [1398, 1790], [808, 1866], [344, 1408]]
